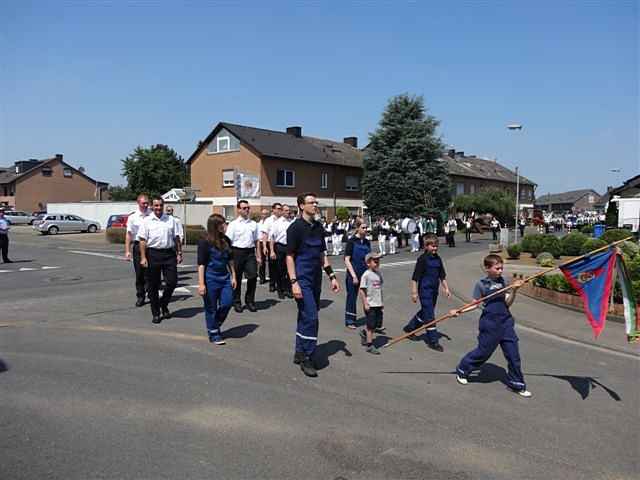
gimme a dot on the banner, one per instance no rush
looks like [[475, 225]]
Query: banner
[[631, 314], [247, 185]]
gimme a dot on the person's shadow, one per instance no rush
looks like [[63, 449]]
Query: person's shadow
[[328, 349], [583, 385], [3, 366], [187, 312], [240, 331], [324, 303], [266, 304]]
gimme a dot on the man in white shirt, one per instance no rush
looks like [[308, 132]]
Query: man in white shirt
[[4, 237], [133, 225], [180, 228], [160, 253], [263, 229], [278, 242], [247, 255], [495, 227]]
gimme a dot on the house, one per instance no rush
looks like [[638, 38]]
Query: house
[[574, 201], [470, 174], [31, 184], [178, 195], [281, 165]]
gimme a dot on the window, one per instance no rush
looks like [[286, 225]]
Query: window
[[51, 217], [67, 172], [351, 183], [224, 144], [228, 212], [472, 188], [227, 178], [459, 188], [286, 178], [47, 172], [592, 199], [324, 180]]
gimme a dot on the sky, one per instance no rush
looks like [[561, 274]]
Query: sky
[[93, 80]]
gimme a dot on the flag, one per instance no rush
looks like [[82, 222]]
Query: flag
[[592, 278], [631, 314], [247, 185]]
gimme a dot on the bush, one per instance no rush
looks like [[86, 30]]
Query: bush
[[533, 244], [193, 233], [630, 250], [551, 244], [555, 282], [514, 251], [615, 234], [342, 213], [545, 259], [587, 229], [572, 243], [115, 235], [592, 244]]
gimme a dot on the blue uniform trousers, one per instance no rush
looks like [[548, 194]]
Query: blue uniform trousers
[[217, 302], [308, 307], [350, 313], [494, 331], [428, 299]]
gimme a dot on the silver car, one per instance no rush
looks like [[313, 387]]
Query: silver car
[[16, 217], [53, 223]]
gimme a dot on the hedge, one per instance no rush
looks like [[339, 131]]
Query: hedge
[[533, 244], [615, 234], [514, 251], [545, 259], [192, 234], [572, 243], [592, 244], [555, 282], [551, 244]]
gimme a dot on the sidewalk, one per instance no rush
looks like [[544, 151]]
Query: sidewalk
[[465, 270]]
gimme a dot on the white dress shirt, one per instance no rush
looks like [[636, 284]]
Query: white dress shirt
[[134, 221], [160, 232], [278, 231], [264, 227], [179, 229], [243, 233]]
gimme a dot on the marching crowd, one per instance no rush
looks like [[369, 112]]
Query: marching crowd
[[295, 252]]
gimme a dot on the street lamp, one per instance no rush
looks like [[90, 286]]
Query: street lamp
[[514, 127]]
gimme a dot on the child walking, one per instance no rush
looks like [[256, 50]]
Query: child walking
[[428, 275], [371, 295], [496, 328], [216, 277]]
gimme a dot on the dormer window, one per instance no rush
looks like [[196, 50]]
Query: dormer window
[[224, 144], [47, 171], [67, 172]]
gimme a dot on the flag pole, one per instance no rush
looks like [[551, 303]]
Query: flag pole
[[467, 306]]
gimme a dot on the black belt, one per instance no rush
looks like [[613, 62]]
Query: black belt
[[164, 250], [281, 244], [244, 249]]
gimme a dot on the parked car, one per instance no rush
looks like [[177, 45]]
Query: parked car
[[38, 218], [118, 221], [63, 222], [16, 217]]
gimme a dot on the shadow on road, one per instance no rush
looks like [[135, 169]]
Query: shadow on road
[[240, 331], [187, 312], [266, 304], [583, 385], [325, 302], [3, 366], [326, 350], [22, 261]]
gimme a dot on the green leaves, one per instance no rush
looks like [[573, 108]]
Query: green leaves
[[500, 204], [154, 170]]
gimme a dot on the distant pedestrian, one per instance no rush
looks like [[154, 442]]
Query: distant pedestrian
[[263, 236], [4, 237], [495, 228], [243, 233], [393, 237], [522, 223], [453, 227], [179, 227], [216, 277], [496, 328], [428, 276], [131, 239], [371, 294], [160, 253], [358, 247], [468, 223], [306, 257], [278, 247], [264, 229]]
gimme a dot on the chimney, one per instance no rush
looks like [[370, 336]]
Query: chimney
[[460, 154], [295, 131], [59, 156], [353, 141], [452, 152]]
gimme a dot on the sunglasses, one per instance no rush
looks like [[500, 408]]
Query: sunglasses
[[244, 208]]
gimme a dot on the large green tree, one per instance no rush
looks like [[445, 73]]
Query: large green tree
[[154, 170], [403, 173]]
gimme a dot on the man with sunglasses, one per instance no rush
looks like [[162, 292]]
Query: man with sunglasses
[[306, 257], [133, 225], [247, 255]]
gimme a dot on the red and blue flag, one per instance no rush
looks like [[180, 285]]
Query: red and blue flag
[[592, 277]]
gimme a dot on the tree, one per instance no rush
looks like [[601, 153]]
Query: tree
[[403, 172], [342, 213], [500, 204], [154, 170], [118, 193], [611, 217]]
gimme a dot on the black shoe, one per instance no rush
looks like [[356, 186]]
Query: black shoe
[[238, 308], [8, 261], [166, 313], [272, 288], [298, 357], [363, 337], [308, 368], [252, 307], [156, 319], [435, 346], [281, 295], [140, 302]]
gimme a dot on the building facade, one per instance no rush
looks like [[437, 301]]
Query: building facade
[[31, 184], [575, 201]]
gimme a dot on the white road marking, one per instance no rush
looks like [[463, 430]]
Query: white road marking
[[186, 266], [182, 290], [6, 271], [49, 268], [26, 269], [98, 254]]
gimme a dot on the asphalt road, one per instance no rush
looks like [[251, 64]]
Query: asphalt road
[[92, 390]]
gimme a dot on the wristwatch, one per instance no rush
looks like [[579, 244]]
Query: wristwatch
[[293, 280]]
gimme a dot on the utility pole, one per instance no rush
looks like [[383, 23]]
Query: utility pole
[[515, 225]]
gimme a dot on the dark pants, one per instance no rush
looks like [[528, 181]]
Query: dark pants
[[262, 269], [495, 233], [521, 231], [4, 247], [467, 234], [244, 260], [161, 263], [282, 276], [451, 239], [140, 272]]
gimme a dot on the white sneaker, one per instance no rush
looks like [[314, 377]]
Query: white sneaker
[[524, 393], [461, 380]]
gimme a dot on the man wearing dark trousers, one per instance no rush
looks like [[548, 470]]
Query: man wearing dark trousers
[[4, 237], [262, 234], [278, 242], [247, 255], [160, 253], [133, 225], [264, 229]]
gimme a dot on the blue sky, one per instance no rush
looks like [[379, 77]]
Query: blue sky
[[93, 81]]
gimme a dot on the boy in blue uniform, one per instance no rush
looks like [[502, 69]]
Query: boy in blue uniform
[[496, 328], [428, 274], [306, 258], [358, 247]]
